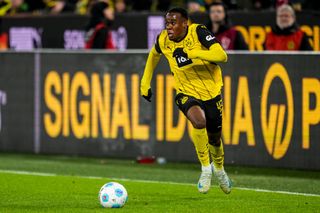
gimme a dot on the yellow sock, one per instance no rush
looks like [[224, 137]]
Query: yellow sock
[[217, 155], [200, 141]]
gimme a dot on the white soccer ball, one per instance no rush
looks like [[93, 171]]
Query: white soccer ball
[[113, 195]]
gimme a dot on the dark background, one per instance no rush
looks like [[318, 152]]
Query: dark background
[[53, 27]]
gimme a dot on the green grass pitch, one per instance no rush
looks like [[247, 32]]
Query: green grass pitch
[[30, 183]]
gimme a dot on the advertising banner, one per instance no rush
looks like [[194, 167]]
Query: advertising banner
[[17, 102], [88, 103]]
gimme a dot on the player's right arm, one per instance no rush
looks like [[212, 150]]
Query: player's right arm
[[152, 62]]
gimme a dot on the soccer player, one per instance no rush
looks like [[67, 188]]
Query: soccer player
[[193, 52]]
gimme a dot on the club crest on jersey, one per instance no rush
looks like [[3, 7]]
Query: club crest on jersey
[[188, 42]]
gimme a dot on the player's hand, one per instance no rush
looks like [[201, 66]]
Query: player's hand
[[148, 96]]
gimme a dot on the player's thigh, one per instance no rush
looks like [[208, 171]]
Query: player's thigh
[[197, 117], [192, 109]]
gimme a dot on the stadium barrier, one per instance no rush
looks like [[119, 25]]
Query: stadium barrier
[[88, 103]]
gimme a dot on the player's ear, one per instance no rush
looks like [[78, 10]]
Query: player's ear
[[185, 23]]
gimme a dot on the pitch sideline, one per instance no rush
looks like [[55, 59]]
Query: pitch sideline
[[17, 172]]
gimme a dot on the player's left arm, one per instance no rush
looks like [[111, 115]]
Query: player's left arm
[[152, 62], [215, 52]]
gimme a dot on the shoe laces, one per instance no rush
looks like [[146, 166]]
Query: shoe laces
[[205, 175], [223, 178]]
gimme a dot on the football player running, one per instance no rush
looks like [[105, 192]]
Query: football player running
[[193, 53]]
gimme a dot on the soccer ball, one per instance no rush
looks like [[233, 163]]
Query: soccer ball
[[113, 195]]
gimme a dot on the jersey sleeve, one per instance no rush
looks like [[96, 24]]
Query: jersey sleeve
[[205, 37], [157, 45]]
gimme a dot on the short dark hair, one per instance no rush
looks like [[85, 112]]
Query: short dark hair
[[218, 3], [180, 10]]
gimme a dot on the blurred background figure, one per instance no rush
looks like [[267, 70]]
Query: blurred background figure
[[3, 40], [98, 34], [120, 6], [219, 24], [5, 6], [11, 7], [286, 35], [196, 6], [296, 4], [61, 6], [82, 7]]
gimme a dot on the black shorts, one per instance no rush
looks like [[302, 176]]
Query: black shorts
[[212, 109]]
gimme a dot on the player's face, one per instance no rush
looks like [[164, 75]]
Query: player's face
[[176, 26], [217, 13], [285, 19]]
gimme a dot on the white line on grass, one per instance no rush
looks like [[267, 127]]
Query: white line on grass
[[150, 181]]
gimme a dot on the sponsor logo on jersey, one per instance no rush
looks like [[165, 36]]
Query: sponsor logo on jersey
[[181, 57], [209, 37]]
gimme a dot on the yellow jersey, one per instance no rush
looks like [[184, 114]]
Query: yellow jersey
[[194, 77]]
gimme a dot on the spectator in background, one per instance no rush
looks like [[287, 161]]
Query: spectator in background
[[219, 25], [196, 6], [11, 7], [58, 6], [61, 6], [296, 4], [120, 6], [98, 35], [5, 6], [286, 35], [3, 40], [82, 7]]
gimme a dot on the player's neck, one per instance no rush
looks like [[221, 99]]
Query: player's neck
[[183, 35]]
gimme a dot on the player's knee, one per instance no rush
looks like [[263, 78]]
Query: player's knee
[[215, 140], [199, 124]]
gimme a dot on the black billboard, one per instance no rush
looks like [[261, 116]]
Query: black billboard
[[88, 103], [17, 108]]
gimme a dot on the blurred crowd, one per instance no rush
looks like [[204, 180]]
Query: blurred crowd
[[11, 7]]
